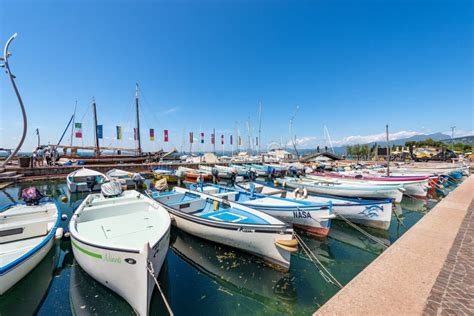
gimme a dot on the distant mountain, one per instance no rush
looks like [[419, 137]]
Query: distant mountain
[[397, 142], [463, 140]]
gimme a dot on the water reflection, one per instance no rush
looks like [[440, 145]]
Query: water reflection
[[235, 272]]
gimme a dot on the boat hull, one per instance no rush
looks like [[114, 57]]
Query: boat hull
[[248, 238], [394, 194], [123, 271], [13, 276]]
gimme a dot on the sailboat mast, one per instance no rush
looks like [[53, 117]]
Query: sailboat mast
[[260, 128], [96, 136], [137, 109], [73, 122], [388, 151]]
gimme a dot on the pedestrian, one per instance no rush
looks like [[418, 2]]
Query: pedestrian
[[35, 158], [40, 156], [47, 156]]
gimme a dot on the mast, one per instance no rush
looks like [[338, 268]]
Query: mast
[[259, 128], [73, 122], [293, 139], [214, 136], [6, 55], [39, 139], [96, 136], [388, 151], [137, 108]]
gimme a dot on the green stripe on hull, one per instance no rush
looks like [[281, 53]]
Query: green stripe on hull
[[94, 255]]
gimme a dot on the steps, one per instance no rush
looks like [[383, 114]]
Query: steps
[[10, 176]]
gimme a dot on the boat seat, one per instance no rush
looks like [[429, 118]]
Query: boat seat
[[188, 206], [25, 230], [230, 196]]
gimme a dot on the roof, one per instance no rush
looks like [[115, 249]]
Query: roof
[[316, 154]]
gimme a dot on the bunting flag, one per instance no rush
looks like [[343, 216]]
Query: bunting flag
[[100, 132], [191, 137], [202, 138], [231, 140], [134, 133], [78, 128], [222, 139], [119, 132], [240, 140], [166, 135], [152, 134], [256, 141], [213, 138]]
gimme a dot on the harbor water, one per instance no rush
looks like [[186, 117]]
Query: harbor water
[[201, 277]]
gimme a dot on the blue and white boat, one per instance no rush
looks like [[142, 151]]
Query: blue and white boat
[[260, 170], [310, 216], [371, 213], [27, 234], [226, 222], [351, 190]]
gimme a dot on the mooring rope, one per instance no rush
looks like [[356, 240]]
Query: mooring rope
[[150, 269], [363, 232], [399, 220], [326, 275]]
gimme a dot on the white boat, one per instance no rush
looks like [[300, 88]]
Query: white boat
[[351, 190], [116, 237], [222, 172], [122, 176], [231, 224], [27, 234], [85, 180], [314, 218], [370, 213], [418, 188]]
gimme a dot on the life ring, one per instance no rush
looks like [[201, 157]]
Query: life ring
[[300, 193]]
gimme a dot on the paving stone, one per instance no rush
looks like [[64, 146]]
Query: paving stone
[[452, 293]]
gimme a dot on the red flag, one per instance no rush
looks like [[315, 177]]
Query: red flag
[[191, 137], [213, 138], [166, 135], [134, 133], [222, 139]]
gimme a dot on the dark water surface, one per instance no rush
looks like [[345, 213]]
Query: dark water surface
[[200, 277]]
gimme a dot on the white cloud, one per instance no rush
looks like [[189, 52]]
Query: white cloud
[[170, 110], [460, 133], [313, 141]]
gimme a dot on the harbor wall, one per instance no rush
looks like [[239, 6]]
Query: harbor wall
[[399, 281]]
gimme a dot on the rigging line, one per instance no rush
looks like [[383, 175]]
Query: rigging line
[[363, 232], [149, 107], [150, 269]]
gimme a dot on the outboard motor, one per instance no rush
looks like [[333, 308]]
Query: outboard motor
[[252, 174], [215, 175], [31, 196], [91, 182]]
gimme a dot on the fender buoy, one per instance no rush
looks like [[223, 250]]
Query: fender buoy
[[64, 199]]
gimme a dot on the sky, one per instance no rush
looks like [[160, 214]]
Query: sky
[[352, 66]]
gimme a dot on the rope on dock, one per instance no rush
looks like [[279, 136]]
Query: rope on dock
[[150, 269], [325, 274], [362, 231]]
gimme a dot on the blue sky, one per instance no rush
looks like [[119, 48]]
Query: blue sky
[[350, 65]]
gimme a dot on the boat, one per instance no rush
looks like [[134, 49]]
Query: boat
[[277, 170], [28, 295], [370, 213], [27, 234], [414, 186], [117, 237], [314, 218], [84, 180], [351, 190], [241, 170], [260, 170], [193, 175], [221, 172], [163, 173], [229, 223], [124, 177]]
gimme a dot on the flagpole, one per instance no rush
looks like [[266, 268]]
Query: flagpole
[[73, 123]]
